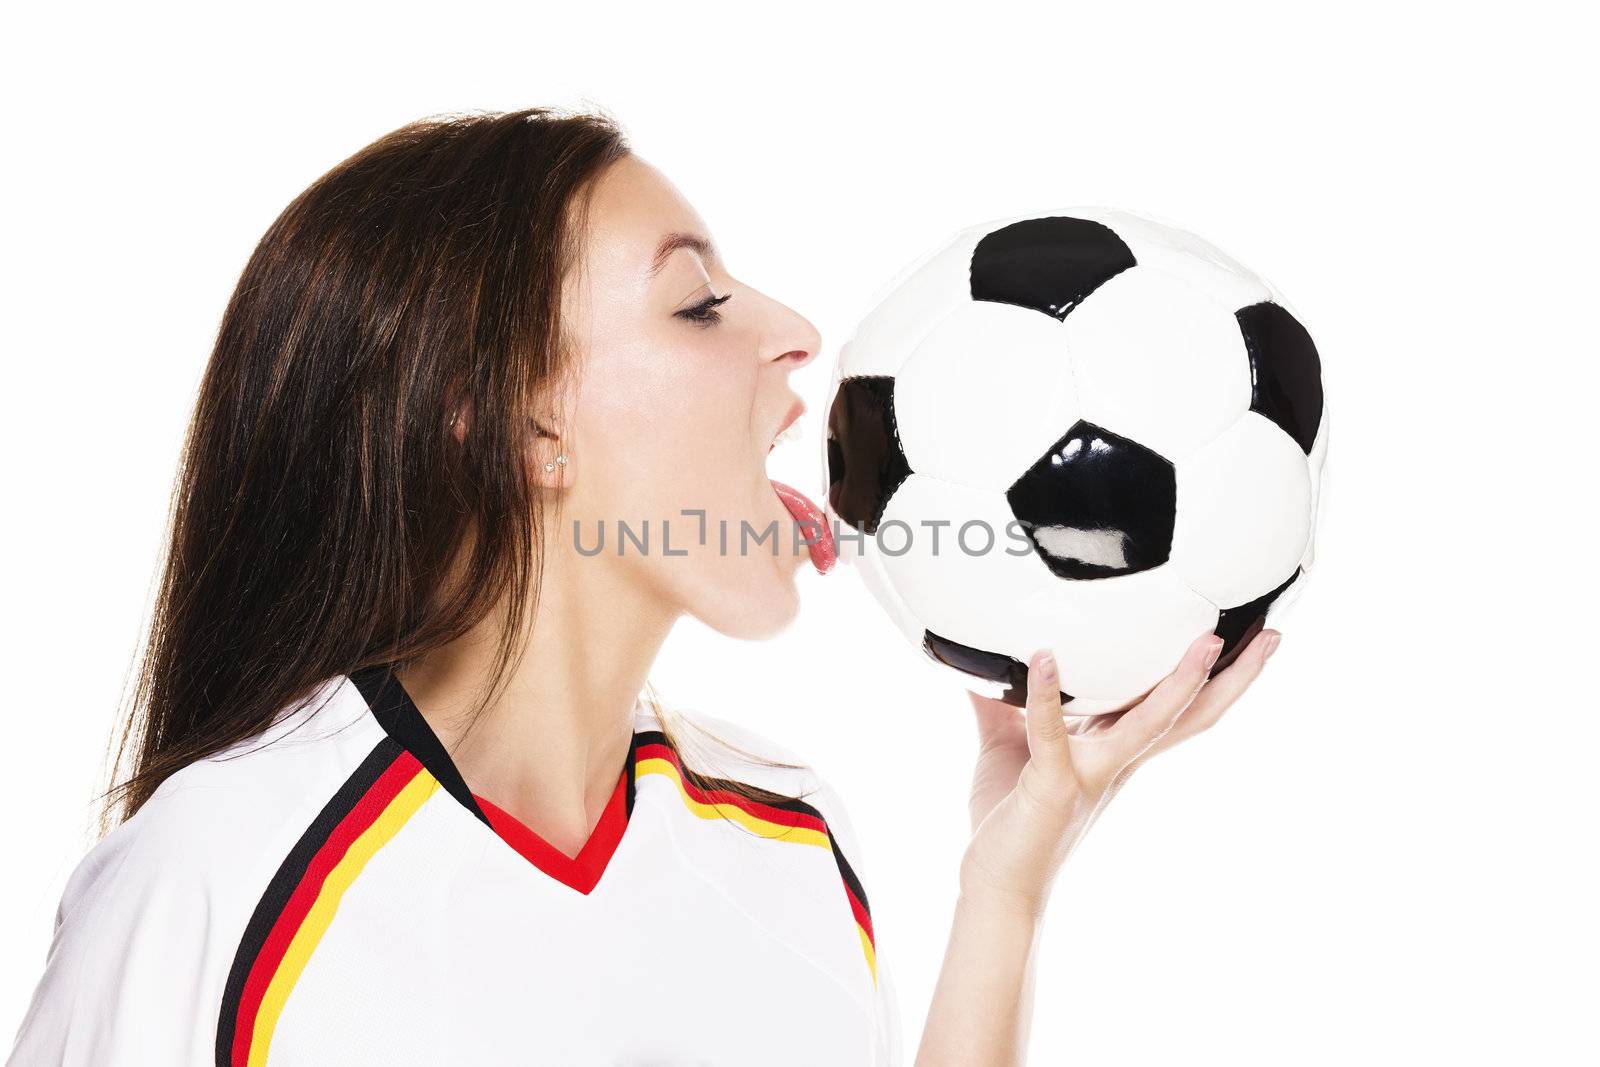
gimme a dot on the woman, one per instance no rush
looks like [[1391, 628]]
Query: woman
[[393, 795]]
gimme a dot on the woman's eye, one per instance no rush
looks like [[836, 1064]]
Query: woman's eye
[[705, 312]]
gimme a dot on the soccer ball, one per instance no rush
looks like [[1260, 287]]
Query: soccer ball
[[1087, 431]]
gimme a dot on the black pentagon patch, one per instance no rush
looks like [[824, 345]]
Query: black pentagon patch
[[1238, 626], [990, 665], [865, 462], [1285, 371], [1097, 505], [1047, 264]]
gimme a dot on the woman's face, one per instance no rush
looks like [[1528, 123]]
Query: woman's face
[[677, 402]]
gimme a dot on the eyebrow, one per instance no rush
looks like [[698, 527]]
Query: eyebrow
[[676, 240]]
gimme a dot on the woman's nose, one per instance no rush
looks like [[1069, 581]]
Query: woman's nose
[[793, 339]]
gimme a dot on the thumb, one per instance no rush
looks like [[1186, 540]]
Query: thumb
[[997, 721]]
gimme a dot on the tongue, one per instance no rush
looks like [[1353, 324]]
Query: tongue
[[813, 526]]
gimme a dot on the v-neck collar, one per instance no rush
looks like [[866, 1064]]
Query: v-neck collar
[[582, 872], [400, 718]]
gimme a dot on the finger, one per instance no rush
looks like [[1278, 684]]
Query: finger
[[1047, 731], [1228, 686], [997, 721], [1147, 720]]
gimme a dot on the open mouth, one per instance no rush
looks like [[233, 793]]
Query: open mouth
[[813, 525]]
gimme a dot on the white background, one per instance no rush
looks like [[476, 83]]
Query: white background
[[1385, 853]]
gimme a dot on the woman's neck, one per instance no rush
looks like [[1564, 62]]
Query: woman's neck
[[549, 748]]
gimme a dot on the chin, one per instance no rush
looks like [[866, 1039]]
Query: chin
[[756, 613]]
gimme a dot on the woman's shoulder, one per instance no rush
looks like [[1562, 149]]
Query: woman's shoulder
[[739, 750], [149, 919], [723, 747], [218, 818]]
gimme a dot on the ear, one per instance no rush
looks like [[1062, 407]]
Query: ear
[[457, 411], [547, 458], [460, 419]]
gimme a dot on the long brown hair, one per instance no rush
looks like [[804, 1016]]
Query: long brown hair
[[320, 502]]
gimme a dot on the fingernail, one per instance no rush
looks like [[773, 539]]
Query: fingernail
[[1216, 650], [1272, 646], [1045, 662]]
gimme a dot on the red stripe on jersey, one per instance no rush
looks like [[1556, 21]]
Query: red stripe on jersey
[[365, 812], [582, 872], [780, 816]]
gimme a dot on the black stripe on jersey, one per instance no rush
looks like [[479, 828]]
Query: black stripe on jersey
[[287, 878], [633, 773], [849, 875], [393, 708], [656, 737]]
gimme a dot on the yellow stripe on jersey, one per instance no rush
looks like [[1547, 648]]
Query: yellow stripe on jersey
[[726, 809], [384, 827], [765, 827]]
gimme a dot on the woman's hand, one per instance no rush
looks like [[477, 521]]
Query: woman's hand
[[1039, 786]]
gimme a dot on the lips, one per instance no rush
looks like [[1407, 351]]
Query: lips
[[813, 526], [796, 409]]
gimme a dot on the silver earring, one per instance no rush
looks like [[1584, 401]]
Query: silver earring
[[560, 461]]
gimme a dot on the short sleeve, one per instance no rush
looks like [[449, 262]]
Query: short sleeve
[[127, 978]]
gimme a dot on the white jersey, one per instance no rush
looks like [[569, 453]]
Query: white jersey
[[331, 892]]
